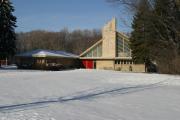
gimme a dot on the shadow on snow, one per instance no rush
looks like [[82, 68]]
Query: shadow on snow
[[84, 95]]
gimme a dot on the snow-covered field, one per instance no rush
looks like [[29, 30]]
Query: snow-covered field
[[88, 95]]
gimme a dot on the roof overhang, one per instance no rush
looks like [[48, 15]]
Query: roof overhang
[[44, 56], [47, 54], [106, 58]]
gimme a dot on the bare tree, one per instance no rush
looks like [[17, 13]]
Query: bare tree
[[76, 41]]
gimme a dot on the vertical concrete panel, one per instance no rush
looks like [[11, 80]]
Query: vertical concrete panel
[[109, 39]]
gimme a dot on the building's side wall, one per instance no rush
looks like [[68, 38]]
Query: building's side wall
[[139, 68], [130, 67], [105, 64], [109, 39], [110, 65], [46, 63]]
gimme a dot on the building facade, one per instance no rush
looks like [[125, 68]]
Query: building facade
[[112, 52], [47, 60]]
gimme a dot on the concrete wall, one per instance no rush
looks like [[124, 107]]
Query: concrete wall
[[105, 64], [109, 39], [139, 68], [109, 65], [130, 67]]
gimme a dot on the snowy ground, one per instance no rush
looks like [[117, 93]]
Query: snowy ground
[[88, 95]]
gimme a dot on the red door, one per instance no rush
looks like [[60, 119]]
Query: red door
[[88, 64]]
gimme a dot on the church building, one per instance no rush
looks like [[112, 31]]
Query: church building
[[112, 52]]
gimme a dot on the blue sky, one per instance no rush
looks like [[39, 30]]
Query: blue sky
[[54, 15]]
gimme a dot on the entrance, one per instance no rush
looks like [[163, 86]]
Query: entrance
[[89, 64]]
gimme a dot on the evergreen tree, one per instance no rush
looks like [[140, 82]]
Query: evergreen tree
[[165, 26], [7, 32], [141, 33], [178, 24], [165, 23]]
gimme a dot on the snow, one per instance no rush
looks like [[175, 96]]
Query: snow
[[88, 95], [49, 53], [9, 67]]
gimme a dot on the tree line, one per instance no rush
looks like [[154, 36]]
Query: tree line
[[75, 41], [155, 38]]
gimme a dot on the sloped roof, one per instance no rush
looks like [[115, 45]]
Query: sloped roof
[[47, 53]]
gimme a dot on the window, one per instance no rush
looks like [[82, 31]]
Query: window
[[95, 52], [122, 47], [118, 62]]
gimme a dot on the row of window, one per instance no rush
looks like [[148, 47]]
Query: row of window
[[123, 48], [95, 52], [123, 62]]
